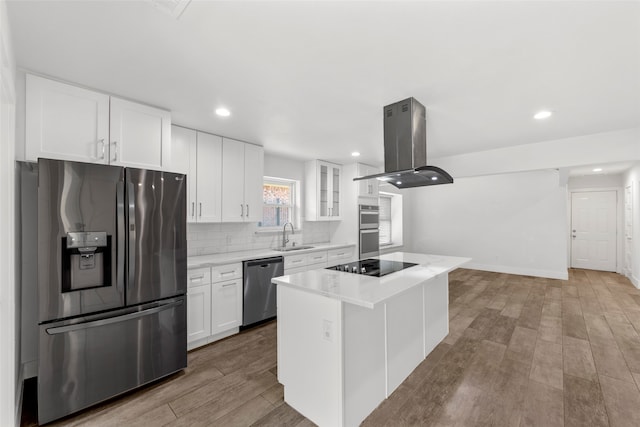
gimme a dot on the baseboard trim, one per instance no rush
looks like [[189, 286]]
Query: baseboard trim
[[634, 280], [561, 275]]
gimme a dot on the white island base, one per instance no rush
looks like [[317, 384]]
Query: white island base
[[347, 341]]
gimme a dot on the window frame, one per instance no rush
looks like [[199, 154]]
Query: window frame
[[294, 185], [388, 197]]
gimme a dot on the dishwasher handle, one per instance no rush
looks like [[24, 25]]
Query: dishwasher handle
[[264, 262]]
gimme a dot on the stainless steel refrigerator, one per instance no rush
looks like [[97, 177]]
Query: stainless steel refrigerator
[[111, 282]]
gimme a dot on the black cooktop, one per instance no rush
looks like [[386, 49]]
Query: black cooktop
[[372, 267]]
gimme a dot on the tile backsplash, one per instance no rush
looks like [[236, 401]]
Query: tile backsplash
[[206, 239]]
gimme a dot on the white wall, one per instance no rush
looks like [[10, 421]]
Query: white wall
[[632, 177], [10, 384], [596, 181], [512, 223], [607, 147]]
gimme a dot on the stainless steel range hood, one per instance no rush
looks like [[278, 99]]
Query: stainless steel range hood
[[405, 148]]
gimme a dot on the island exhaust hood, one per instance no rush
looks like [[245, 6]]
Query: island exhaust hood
[[405, 148]]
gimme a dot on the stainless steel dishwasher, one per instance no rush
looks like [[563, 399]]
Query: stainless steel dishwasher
[[259, 302]]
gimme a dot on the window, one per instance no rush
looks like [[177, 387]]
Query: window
[[390, 219], [278, 202], [385, 220]]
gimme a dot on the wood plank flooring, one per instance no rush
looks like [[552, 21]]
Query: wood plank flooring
[[522, 351]]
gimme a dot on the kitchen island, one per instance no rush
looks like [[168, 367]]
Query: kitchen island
[[347, 341]]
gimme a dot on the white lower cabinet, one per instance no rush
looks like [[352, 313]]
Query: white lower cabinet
[[214, 303], [297, 263], [340, 256], [226, 305], [303, 262], [198, 312]]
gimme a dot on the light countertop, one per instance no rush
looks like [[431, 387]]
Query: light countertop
[[231, 257], [367, 291]]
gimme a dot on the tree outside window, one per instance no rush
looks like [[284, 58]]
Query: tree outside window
[[278, 202]]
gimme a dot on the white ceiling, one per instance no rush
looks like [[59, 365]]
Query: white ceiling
[[309, 79]]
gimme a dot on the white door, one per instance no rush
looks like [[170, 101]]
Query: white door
[[140, 135], [209, 178], [65, 122], [183, 160], [226, 305], [628, 229], [233, 209], [198, 312], [593, 230], [253, 182]]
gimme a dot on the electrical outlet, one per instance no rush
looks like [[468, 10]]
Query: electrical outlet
[[327, 330]]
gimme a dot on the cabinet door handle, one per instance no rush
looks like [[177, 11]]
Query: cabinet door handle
[[193, 209], [100, 141], [241, 210], [200, 209], [226, 273], [115, 151], [295, 261], [194, 278], [247, 211], [228, 284]]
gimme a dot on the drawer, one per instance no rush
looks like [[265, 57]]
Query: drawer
[[226, 272], [317, 257], [198, 276], [293, 261], [339, 256], [294, 270]]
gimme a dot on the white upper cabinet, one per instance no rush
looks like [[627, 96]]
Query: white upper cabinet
[[70, 123], [140, 136], [65, 122], [242, 178], [322, 188], [208, 206], [367, 187], [199, 155]]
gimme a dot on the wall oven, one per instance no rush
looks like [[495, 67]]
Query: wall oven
[[368, 230]]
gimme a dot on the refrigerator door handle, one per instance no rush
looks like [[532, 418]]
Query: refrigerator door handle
[[131, 198], [102, 322], [121, 242]]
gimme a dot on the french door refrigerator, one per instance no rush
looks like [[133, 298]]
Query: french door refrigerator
[[111, 282]]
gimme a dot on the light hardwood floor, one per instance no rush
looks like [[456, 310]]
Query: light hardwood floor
[[522, 351]]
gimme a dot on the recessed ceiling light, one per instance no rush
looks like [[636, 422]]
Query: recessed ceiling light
[[223, 112], [597, 170], [540, 115], [355, 154]]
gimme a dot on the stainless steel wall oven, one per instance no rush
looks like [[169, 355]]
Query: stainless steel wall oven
[[368, 231]]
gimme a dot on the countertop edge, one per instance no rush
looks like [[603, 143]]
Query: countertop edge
[[454, 263], [233, 257]]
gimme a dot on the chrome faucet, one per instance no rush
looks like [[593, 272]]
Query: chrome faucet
[[284, 233]]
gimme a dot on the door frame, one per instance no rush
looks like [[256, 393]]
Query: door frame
[[619, 221]]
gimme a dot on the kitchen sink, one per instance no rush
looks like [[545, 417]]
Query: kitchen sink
[[292, 248]]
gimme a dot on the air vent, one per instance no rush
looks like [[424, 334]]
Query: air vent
[[405, 108], [173, 8], [389, 112]]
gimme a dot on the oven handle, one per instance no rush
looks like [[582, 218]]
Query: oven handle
[[116, 319], [370, 231]]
